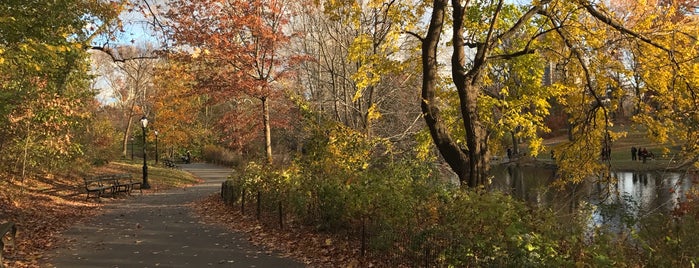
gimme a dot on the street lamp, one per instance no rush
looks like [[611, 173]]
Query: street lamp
[[156, 146], [144, 124]]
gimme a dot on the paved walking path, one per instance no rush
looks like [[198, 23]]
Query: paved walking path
[[160, 230]]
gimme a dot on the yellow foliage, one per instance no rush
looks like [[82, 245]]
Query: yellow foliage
[[373, 113]]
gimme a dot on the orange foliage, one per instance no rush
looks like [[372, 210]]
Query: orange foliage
[[234, 49], [175, 105]]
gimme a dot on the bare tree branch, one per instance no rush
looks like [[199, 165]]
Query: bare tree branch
[[415, 35], [522, 52], [156, 22], [118, 58]]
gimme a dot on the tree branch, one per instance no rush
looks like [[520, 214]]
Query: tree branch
[[526, 50], [609, 21], [155, 18], [492, 23], [522, 20], [522, 52], [415, 35], [116, 57]]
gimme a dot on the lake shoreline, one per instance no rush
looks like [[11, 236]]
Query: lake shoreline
[[616, 165]]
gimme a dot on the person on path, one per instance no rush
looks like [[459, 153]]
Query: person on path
[[633, 153], [509, 153]]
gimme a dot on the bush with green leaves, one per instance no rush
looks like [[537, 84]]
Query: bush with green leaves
[[671, 241], [402, 207], [407, 214]]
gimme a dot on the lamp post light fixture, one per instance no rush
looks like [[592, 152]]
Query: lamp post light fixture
[[144, 124], [156, 146]]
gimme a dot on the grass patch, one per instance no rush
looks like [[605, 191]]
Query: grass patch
[[160, 178], [666, 154]]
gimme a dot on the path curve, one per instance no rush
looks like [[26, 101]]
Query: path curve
[[160, 230]]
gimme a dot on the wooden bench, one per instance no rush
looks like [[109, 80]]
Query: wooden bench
[[111, 184], [171, 164], [8, 232], [95, 187], [127, 179]]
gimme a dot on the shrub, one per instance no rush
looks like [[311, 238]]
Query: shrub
[[671, 241], [406, 215], [219, 155]]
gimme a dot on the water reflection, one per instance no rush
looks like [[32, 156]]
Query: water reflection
[[533, 184], [525, 183], [633, 194], [648, 192]]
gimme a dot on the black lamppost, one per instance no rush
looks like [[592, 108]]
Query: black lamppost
[[144, 124], [156, 146]]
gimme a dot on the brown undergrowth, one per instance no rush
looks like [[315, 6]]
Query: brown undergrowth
[[41, 208]]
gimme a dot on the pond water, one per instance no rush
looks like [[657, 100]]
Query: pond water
[[634, 194]]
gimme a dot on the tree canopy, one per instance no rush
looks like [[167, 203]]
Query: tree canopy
[[590, 48], [44, 83], [484, 73]]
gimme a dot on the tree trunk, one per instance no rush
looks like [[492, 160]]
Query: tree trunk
[[471, 164], [468, 87], [268, 135], [127, 138], [453, 155], [476, 138], [515, 143], [129, 125]]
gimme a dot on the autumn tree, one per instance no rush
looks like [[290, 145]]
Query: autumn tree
[[44, 86], [180, 114], [578, 32], [126, 73], [602, 52], [469, 162], [236, 47], [662, 69]]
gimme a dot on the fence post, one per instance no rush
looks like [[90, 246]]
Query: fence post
[[427, 253], [223, 192], [259, 207], [363, 247], [281, 216]]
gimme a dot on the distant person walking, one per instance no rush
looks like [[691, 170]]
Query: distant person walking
[[633, 153], [188, 157], [509, 153]]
